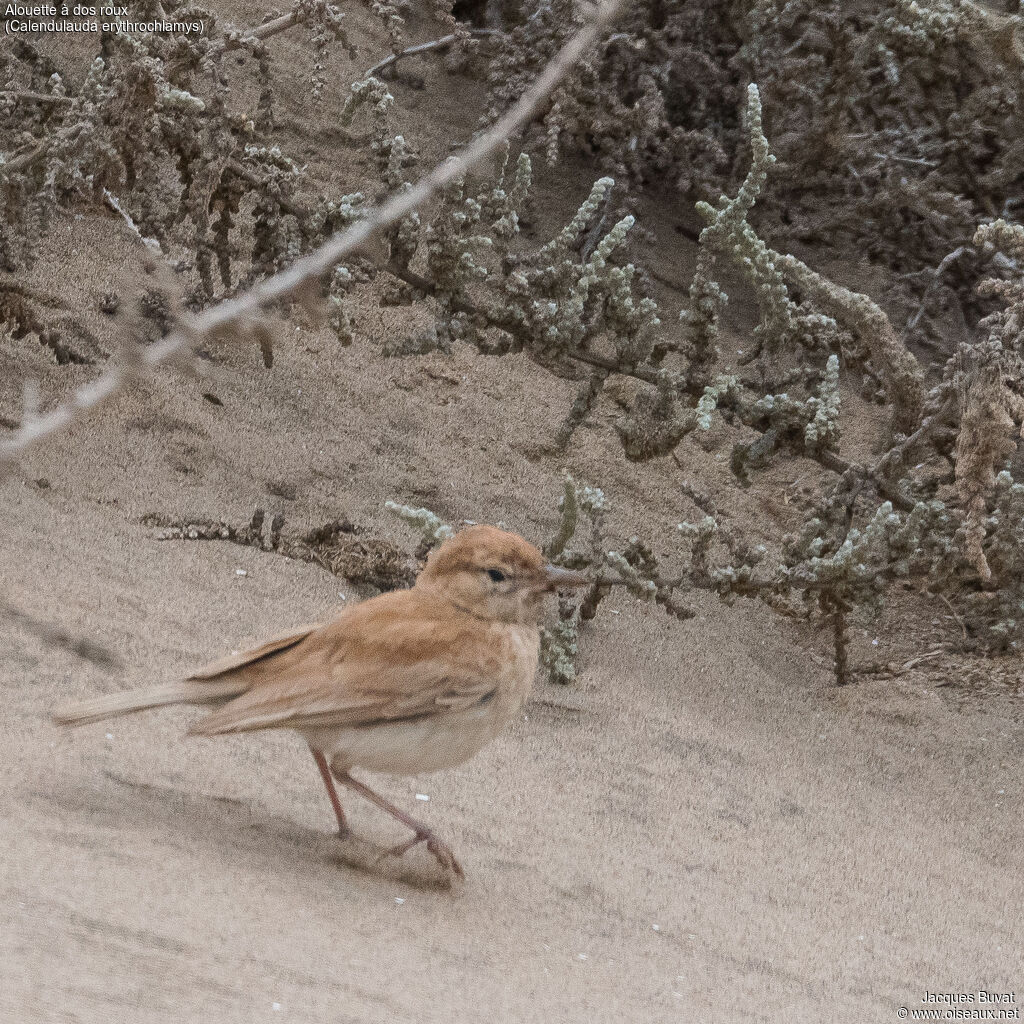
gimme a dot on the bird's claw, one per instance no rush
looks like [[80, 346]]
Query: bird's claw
[[442, 852], [445, 856]]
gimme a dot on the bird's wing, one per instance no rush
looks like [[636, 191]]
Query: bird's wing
[[231, 662], [389, 658]]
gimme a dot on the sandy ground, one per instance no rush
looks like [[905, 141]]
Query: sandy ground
[[703, 829]]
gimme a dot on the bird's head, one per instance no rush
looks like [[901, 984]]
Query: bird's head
[[495, 575]]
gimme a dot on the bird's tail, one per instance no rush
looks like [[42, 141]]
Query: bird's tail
[[112, 705]]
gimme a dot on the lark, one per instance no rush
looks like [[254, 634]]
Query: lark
[[408, 682]]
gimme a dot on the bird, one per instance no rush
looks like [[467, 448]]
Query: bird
[[407, 682]]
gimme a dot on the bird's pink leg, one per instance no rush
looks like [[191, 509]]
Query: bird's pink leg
[[441, 850], [332, 792]]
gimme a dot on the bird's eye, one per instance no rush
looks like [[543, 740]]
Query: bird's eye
[[496, 575]]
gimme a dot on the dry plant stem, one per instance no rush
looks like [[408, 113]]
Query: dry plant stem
[[889, 464], [243, 172], [26, 160], [649, 374], [115, 204], [838, 608], [890, 670], [597, 592], [947, 260], [303, 277], [956, 616], [895, 365], [884, 474], [434, 44], [23, 162], [34, 97], [264, 31]]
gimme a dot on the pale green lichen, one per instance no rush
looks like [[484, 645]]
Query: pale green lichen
[[630, 577], [712, 395], [823, 430], [430, 527], [559, 647]]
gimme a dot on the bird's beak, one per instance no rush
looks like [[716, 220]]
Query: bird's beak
[[555, 577]]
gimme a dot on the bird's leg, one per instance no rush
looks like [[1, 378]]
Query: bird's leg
[[332, 792], [441, 850]]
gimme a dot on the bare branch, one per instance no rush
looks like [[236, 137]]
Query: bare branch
[[115, 204], [24, 96], [238, 37], [645, 373], [26, 160], [434, 44], [947, 261]]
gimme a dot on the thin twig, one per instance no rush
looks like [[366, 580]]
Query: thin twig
[[434, 44], [886, 467], [649, 374], [955, 614], [297, 280], [890, 670], [593, 236], [239, 37], [836, 608], [906, 159], [948, 259], [233, 40], [25, 161], [239, 170], [115, 204], [24, 96]]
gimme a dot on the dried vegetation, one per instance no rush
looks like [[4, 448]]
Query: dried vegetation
[[891, 130]]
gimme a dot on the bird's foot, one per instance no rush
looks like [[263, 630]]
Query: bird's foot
[[442, 852]]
